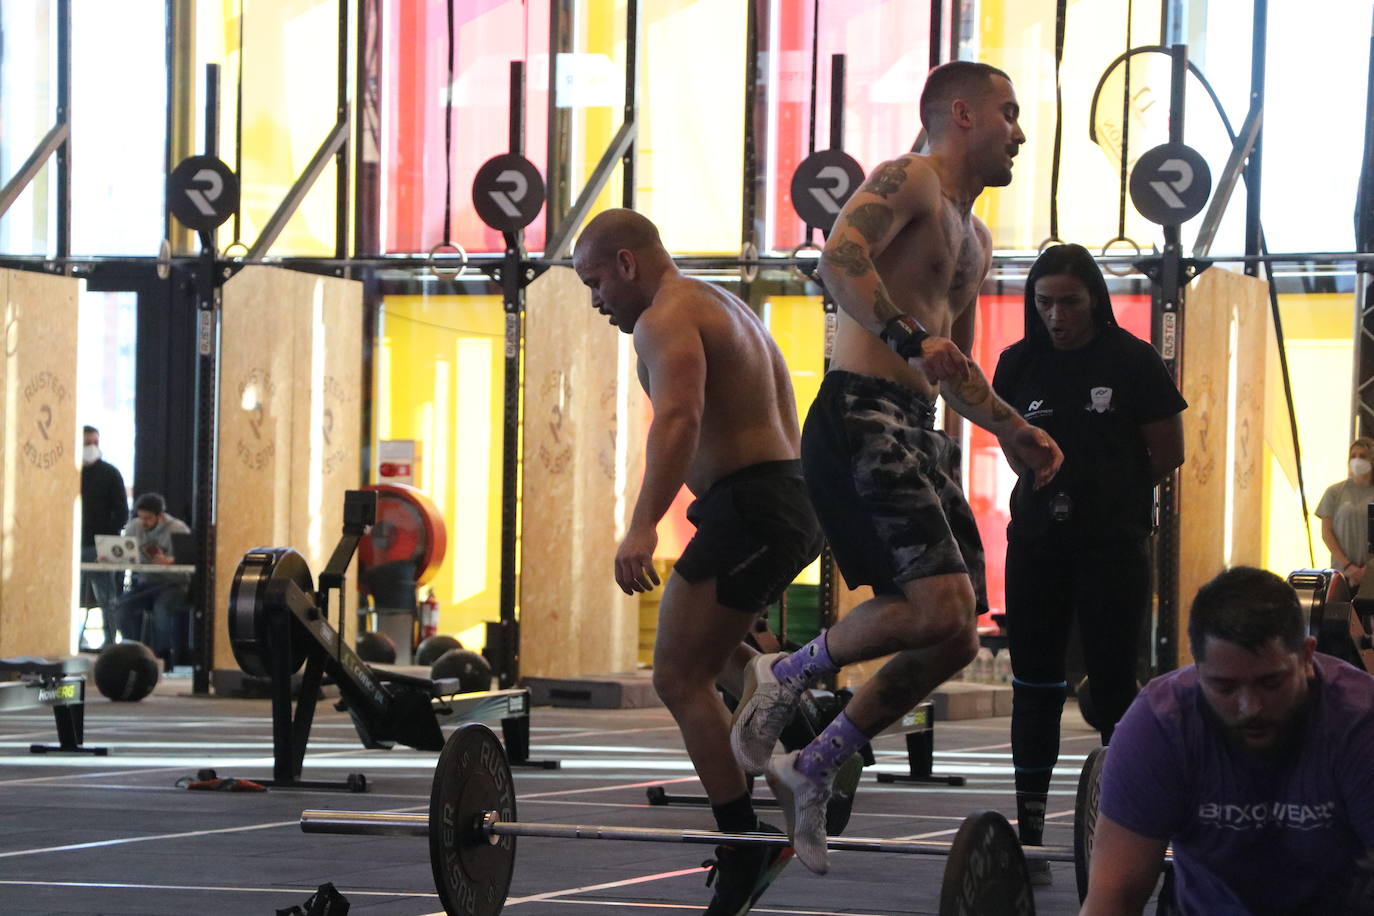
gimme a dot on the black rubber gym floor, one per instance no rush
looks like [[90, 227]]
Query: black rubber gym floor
[[86, 835]]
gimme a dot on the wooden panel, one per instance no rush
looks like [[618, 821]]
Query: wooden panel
[[290, 421], [1254, 336], [40, 477], [260, 320], [1206, 474], [326, 391], [574, 620]]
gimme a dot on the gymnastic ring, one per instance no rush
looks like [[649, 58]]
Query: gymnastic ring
[[808, 245], [444, 272], [164, 259], [230, 247], [749, 263], [1130, 269], [1049, 240]]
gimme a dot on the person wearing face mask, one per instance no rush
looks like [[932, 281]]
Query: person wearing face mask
[[104, 510], [1344, 513], [1077, 550]]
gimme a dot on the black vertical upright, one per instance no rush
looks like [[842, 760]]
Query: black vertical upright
[[367, 137], [937, 28], [754, 96], [627, 162], [64, 116], [1254, 241], [342, 178], [1364, 277], [507, 639], [827, 594], [557, 170], [1168, 337], [207, 411]]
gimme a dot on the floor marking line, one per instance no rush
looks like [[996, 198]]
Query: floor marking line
[[628, 882], [11, 882], [146, 839], [631, 785]]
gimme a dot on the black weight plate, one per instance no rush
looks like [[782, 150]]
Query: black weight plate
[[248, 613], [986, 873], [1085, 816], [471, 874]]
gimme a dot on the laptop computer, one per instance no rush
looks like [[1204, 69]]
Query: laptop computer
[[184, 548], [116, 548]]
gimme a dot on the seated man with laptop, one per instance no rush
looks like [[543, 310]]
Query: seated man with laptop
[[159, 538]]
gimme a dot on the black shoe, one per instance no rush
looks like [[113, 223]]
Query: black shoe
[[842, 791], [742, 873]]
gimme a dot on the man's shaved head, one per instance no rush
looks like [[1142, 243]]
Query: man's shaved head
[[958, 79], [613, 230]]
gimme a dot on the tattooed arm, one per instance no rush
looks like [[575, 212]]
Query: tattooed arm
[[897, 194], [1029, 449]]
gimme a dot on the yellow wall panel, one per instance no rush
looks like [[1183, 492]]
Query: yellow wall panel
[[440, 382]]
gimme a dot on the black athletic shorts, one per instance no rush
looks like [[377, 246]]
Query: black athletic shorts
[[885, 484], [755, 532]]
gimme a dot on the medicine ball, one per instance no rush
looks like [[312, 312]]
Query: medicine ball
[[127, 671], [472, 670], [1083, 692], [430, 649], [376, 647], [1086, 706]]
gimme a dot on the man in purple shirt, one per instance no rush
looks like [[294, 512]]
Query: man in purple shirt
[[1256, 764]]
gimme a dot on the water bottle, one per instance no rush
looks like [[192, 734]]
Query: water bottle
[[1001, 667], [982, 665], [429, 616]]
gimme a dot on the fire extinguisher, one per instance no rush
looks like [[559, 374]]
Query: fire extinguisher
[[429, 616]]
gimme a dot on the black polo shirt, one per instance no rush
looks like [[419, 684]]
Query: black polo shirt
[[1093, 401]]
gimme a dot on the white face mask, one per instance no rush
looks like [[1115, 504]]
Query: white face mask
[[90, 454], [1359, 467]]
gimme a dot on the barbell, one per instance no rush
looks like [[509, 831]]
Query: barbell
[[471, 828]]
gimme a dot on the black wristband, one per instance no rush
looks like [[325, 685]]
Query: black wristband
[[904, 334]]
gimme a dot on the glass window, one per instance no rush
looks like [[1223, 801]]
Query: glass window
[[690, 156], [119, 132], [487, 36], [28, 101], [106, 369], [284, 56], [886, 47]]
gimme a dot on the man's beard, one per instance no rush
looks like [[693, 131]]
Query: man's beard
[[1286, 734]]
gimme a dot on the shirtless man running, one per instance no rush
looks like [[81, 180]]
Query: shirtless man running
[[725, 424], [905, 262]]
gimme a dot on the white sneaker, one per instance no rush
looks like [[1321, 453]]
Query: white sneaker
[[803, 803], [763, 711]]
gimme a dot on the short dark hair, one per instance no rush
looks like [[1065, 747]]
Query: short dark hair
[[151, 502], [89, 429], [1248, 607], [615, 229], [1075, 261], [949, 81]]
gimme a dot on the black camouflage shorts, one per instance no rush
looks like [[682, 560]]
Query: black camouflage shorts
[[885, 485]]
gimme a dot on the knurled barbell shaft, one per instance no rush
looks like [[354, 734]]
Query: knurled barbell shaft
[[376, 824]]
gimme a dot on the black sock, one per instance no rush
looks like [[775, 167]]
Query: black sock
[[1030, 817], [736, 816]]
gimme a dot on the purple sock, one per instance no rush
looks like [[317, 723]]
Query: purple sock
[[820, 759], [804, 667]]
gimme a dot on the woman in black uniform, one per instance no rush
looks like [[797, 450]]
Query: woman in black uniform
[[1077, 548]]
